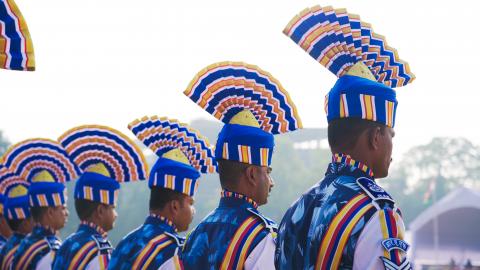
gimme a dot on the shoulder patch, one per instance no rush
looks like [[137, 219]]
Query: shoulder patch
[[104, 246], [269, 224], [180, 240], [395, 243], [374, 191], [53, 242]]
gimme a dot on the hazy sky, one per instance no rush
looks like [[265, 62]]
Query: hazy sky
[[111, 61]]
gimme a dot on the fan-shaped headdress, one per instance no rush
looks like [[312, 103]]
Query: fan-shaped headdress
[[367, 67], [253, 105], [105, 157], [183, 153]]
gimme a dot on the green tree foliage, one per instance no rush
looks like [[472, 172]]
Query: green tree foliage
[[439, 166], [4, 143]]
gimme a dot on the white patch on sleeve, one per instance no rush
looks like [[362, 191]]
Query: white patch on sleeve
[[369, 248]]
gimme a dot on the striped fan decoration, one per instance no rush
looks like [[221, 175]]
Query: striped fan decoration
[[89, 145], [161, 135], [16, 48], [338, 40], [223, 89], [29, 157], [8, 179]]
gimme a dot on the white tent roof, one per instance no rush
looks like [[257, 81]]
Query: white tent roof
[[458, 214], [459, 198]]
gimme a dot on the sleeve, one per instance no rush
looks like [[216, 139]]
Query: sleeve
[[46, 262], [173, 263], [262, 256], [380, 244]]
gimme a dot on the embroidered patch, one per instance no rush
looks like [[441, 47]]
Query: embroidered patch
[[180, 240], [270, 224], [395, 243], [103, 244], [373, 190], [389, 265], [53, 242]]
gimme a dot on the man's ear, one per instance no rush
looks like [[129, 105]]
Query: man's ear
[[374, 136], [250, 175], [100, 211], [50, 212], [174, 206]]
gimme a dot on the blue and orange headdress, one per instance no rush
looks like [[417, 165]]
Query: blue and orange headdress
[[13, 195], [183, 153], [16, 48], [366, 66], [106, 157], [253, 105], [46, 166]]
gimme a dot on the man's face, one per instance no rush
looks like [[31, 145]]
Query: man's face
[[59, 216], [385, 153], [185, 213], [109, 217], [265, 184]]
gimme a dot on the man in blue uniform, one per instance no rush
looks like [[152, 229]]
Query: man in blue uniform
[[347, 221], [105, 157], [17, 213], [183, 155], [254, 106], [45, 165]]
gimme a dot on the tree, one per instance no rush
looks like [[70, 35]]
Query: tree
[[439, 166], [4, 143]]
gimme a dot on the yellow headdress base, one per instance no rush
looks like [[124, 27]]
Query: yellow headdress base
[[18, 191], [245, 118], [176, 155], [99, 168], [361, 70], [43, 176]]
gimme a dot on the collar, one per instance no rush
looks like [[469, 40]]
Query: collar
[[90, 226], [227, 195], [348, 161], [161, 220], [18, 235], [45, 230]]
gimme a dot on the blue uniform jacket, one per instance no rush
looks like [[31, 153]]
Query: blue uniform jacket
[[147, 247], [305, 224], [34, 247], [8, 250], [207, 247], [3, 241], [82, 247]]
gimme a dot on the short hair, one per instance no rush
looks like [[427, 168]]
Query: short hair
[[343, 133], [14, 224], [230, 171], [37, 212], [159, 197], [85, 208]]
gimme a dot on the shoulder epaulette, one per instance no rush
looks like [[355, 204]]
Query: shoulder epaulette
[[104, 246], [53, 242], [180, 240], [374, 191], [269, 224]]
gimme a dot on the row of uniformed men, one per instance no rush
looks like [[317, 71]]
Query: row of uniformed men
[[346, 221]]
